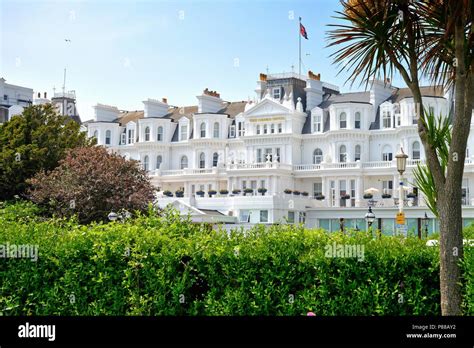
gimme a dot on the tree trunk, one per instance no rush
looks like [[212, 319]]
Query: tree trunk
[[450, 249]]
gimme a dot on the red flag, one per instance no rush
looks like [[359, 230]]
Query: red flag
[[303, 31]]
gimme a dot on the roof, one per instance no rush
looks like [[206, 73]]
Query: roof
[[175, 113], [426, 91], [355, 97]]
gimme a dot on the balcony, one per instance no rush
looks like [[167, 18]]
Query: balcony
[[302, 169]]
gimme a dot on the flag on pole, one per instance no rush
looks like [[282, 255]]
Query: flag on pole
[[303, 31]]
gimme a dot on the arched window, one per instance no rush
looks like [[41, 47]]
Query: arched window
[[203, 130], [357, 120], [146, 162], [272, 128], [184, 162], [342, 153], [147, 133], [280, 128], [258, 129], [387, 153], [159, 134], [215, 159], [265, 129], [343, 120], [108, 137], [357, 153], [416, 150], [216, 129], [202, 160], [96, 134], [317, 156], [159, 159]]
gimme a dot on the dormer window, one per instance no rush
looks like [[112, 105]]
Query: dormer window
[[232, 132], [258, 129], [277, 93], [131, 136], [317, 123], [342, 120], [265, 129], [183, 135], [272, 128], [241, 129], [386, 119], [280, 128]]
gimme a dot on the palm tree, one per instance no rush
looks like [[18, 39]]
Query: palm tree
[[421, 39]]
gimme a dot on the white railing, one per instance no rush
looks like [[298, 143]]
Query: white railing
[[377, 164], [303, 167], [414, 163], [169, 172], [340, 165], [297, 167], [261, 165]]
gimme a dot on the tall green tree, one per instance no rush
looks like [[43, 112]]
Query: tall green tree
[[431, 39], [33, 141]]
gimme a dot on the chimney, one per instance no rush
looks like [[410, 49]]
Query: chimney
[[164, 100], [155, 108], [105, 113], [261, 86], [314, 90], [209, 101]]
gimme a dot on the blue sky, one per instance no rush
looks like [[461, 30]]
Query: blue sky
[[123, 52]]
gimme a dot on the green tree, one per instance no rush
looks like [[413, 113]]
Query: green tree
[[33, 141], [421, 39]]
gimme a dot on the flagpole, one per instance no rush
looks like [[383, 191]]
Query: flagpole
[[299, 37]]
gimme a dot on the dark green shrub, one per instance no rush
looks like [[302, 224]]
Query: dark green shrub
[[156, 265]]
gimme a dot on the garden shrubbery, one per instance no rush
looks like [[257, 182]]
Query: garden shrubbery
[[156, 265], [89, 183]]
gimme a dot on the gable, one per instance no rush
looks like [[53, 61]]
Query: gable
[[267, 107]]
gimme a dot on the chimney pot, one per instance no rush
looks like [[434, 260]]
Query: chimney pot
[[164, 100]]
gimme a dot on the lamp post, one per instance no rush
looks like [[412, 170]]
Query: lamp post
[[370, 217], [425, 225], [401, 167]]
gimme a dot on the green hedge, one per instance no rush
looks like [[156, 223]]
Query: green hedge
[[166, 266]]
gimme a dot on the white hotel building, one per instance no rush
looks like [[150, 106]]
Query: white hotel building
[[299, 134]]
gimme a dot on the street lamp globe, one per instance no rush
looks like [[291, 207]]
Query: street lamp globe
[[370, 217], [112, 216], [401, 161]]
